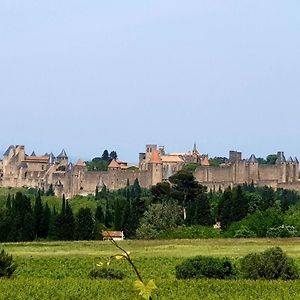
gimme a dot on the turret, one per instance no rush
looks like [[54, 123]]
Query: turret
[[62, 158], [253, 169], [156, 168], [281, 162]]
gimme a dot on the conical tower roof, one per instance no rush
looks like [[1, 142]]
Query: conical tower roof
[[33, 153], [205, 162], [155, 158], [62, 154], [252, 159], [80, 163]]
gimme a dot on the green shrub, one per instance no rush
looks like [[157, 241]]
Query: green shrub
[[7, 266], [205, 267], [282, 231], [190, 232], [244, 232], [270, 264], [106, 273]]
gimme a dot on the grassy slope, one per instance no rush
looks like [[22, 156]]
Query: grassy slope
[[58, 270], [75, 203]]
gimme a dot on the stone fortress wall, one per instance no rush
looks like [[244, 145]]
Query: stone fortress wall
[[17, 169]]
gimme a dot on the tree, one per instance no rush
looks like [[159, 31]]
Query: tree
[[118, 211], [99, 215], [225, 209], [161, 191], [202, 211], [96, 193], [21, 207], [105, 155], [239, 204], [113, 155], [271, 159], [84, 224], [184, 189], [50, 191], [68, 223], [27, 230], [159, 217], [127, 221], [45, 224], [38, 216], [108, 220]]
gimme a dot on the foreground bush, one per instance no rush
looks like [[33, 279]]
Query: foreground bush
[[205, 267], [7, 266], [106, 273], [270, 264]]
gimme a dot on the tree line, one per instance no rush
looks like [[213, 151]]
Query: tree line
[[143, 213]]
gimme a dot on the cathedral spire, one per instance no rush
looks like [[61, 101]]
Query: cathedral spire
[[195, 150]]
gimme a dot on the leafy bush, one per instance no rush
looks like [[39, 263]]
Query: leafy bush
[[205, 267], [244, 232], [7, 266], [190, 232], [106, 273], [282, 231], [270, 264], [259, 223]]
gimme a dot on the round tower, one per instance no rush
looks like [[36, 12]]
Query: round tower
[[156, 168]]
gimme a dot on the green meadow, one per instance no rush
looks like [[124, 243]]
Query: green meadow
[[59, 270]]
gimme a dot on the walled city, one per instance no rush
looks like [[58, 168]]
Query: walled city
[[17, 169]]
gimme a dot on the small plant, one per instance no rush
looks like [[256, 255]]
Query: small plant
[[270, 264], [205, 267], [7, 266], [106, 273], [145, 290]]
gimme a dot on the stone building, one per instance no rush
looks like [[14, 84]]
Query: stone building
[[17, 169]]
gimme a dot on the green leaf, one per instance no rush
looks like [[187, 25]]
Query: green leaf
[[145, 290]]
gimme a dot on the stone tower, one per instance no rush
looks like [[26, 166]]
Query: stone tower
[[253, 169], [155, 168], [281, 163]]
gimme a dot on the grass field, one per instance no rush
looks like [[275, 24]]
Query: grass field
[[59, 270]]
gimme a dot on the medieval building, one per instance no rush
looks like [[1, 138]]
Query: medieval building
[[17, 169]]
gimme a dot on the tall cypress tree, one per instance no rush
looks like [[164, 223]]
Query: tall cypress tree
[[225, 209], [45, 224], [38, 216], [118, 214], [202, 211], [84, 224], [239, 205], [8, 203], [108, 220], [68, 223], [127, 221], [99, 215]]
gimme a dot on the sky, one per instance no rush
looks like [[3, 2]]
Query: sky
[[93, 75]]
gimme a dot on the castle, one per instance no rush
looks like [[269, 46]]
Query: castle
[[17, 169]]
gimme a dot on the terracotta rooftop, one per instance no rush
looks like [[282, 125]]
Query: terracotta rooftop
[[114, 164], [171, 158], [155, 158], [36, 159], [112, 234], [80, 163]]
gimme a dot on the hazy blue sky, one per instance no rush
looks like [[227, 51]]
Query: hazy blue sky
[[88, 75]]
